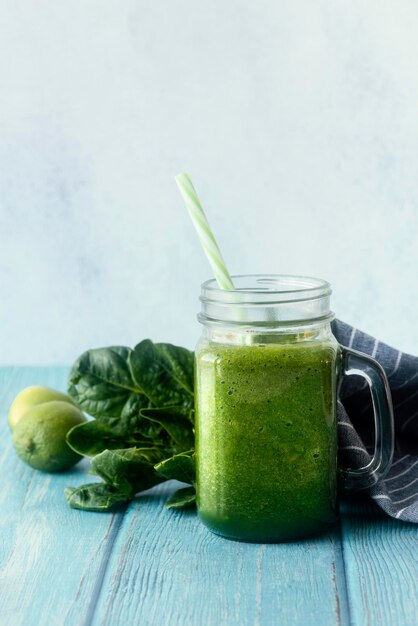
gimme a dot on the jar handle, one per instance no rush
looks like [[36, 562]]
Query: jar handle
[[358, 364]]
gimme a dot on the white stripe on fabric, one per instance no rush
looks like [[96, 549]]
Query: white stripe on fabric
[[399, 513], [346, 424], [402, 473], [398, 361], [407, 381], [376, 344], [406, 400], [404, 486], [395, 501], [406, 422], [353, 334], [353, 448], [414, 495], [400, 460]]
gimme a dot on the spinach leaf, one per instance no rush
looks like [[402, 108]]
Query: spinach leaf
[[93, 438], [142, 434], [128, 471], [179, 362], [174, 422], [182, 499], [96, 436], [95, 497], [130, 420], [164, 372], [101, 383], [134, 426], [178, 467]]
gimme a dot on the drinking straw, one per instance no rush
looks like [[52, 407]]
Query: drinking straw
[[201, 224]]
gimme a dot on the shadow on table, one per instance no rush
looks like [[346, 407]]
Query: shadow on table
[[358, 512], [158, 496]]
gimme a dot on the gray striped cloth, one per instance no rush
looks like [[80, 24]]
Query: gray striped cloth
[[397, 493]]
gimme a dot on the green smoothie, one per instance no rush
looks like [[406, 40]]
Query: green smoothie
[[266, 443]]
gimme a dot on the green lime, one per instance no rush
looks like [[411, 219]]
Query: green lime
[[39, 436], [30, 397]]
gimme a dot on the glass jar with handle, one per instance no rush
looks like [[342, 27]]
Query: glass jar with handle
[[268, 371]]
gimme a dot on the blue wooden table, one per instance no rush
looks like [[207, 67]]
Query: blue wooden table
[[146, 565]]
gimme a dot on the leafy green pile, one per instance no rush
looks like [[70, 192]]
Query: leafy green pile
[[142, 434]]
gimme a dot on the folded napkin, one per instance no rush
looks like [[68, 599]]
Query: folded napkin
[[397, 493]]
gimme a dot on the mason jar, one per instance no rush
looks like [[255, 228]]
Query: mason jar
[[268, 370]]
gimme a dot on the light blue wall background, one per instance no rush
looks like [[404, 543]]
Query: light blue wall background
[[298, 122]]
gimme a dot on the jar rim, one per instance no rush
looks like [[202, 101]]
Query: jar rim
[[291, 284], [267, 298]]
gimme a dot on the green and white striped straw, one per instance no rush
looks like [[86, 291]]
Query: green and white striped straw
[[203, 229]]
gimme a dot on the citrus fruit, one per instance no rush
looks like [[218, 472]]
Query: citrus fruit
[[31, 396], [39, 436]]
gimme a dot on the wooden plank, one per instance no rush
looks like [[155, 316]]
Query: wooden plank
[[166, 569], [52, 558], [381, 564]]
